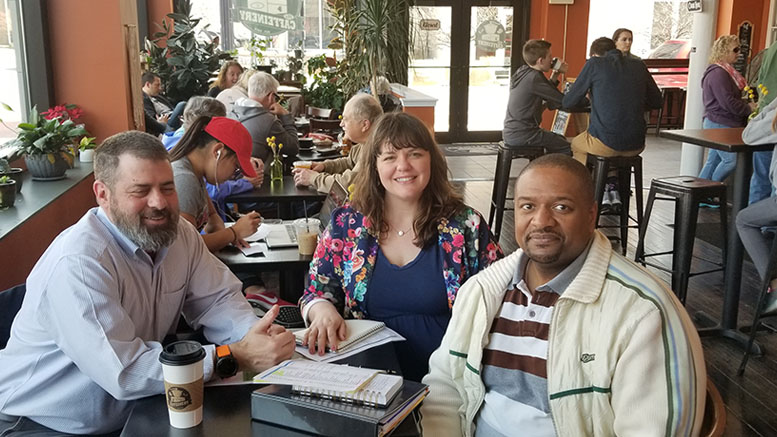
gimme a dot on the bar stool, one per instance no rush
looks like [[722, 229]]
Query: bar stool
[[771, 272], [687, 192], [504, 160], [624, 166]]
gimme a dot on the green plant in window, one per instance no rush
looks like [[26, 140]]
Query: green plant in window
[[185, 64], [324, 89], [42, 136]]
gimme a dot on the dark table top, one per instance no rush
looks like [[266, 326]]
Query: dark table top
[[726, 139], [286, 191], [271, 259], [227, 409]]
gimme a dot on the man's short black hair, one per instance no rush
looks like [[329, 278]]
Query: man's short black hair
[[601, 46], [571, 166], [535, 49], [147, 77]]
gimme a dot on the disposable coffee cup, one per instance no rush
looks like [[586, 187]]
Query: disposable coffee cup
[[307, 235], [182, 367], [302, 164]]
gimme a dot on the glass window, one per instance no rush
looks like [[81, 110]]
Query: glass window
[[12, 71]]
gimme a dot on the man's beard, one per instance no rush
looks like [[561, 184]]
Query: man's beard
[[149, 239]]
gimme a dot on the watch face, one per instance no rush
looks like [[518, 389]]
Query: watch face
[[226, 366]]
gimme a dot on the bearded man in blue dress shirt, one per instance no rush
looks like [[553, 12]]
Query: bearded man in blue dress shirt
[[86, 340]]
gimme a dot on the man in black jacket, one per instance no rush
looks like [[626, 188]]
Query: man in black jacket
[[530, 93], [621, 90], [160, 114]]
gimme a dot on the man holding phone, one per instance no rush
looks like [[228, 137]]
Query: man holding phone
[[530, 93]]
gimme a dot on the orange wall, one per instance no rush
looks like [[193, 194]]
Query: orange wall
[[547, 22], [731, 13], [89, 61], [157, 10], [21, 248]]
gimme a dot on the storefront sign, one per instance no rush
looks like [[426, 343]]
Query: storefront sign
[[745, 34], [268, 17], [694, 5], [429, 24], [490, 36]]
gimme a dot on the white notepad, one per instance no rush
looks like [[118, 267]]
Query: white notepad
[[358, 330]]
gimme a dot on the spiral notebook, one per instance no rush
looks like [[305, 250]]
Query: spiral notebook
[[338, 382], [357, 330]]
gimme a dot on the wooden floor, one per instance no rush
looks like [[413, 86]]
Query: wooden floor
[[751, 400]]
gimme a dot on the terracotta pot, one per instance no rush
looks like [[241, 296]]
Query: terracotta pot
[[42, 169], [7, 194]]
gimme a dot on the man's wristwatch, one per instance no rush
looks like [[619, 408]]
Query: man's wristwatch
[[226, 364]]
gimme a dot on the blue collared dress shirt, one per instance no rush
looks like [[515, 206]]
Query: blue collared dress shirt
[[86, 341]]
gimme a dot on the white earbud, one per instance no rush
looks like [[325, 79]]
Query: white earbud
[[218, 155]]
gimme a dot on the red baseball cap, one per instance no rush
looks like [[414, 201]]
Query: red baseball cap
[[235, 136]]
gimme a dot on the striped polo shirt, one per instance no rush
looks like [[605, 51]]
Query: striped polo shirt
[[514, 362]]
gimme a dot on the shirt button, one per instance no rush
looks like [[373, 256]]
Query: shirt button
[[532, 314]]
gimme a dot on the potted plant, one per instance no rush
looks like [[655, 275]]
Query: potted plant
[[44, 142], [14, 173], [7, 192], [87, 146]]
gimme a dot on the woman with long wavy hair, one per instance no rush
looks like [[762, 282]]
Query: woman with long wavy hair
[[399, 252], [724, 107]]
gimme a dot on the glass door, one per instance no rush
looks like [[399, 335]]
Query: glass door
[[463, 56]]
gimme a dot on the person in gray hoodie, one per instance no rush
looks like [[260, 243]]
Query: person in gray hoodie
[[264, 117], [752, 220]]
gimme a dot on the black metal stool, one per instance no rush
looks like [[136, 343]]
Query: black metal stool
[[624, 166], [504, 160], [687, 192]]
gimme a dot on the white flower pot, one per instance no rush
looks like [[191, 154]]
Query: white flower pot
[[86, 155]]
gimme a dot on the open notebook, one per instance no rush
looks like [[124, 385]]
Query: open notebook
[[358, 330]]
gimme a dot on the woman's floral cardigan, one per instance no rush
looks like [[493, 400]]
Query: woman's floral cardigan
[[347, 251]]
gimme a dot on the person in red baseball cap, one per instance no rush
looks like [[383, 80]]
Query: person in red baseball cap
[[213, 149]]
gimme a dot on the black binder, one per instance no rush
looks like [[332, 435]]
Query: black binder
[[278, 405]]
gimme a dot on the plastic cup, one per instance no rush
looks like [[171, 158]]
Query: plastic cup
[[302, 164], [307, 235], [182, 363]]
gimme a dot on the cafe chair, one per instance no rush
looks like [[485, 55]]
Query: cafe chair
[[10, 303], [771, 272], [504, 161], [714, 421], [624, 167], [329, 127], [687, 192], [319, 113]]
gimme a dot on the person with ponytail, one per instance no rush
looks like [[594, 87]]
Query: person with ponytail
[[213, 149]]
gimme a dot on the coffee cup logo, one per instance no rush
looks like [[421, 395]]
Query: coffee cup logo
[[178, 398]]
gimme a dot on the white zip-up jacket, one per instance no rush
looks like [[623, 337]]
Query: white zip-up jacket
[[623, 356]]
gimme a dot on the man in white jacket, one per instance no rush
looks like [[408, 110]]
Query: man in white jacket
[[565, 336]]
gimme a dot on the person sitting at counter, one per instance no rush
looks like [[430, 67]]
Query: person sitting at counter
[[400, 251], [213, 149], [86, 342], [359, 116]]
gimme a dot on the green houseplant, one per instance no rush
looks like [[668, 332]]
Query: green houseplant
[[87, 146], [324, 89], [7, 192], [14, 173], [44, 142], [185, 64]]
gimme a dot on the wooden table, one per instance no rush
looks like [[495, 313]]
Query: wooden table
[[728, 140], [281, 193]]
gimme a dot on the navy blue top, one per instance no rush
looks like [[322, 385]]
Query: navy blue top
[[621, 91], [412, 301]]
